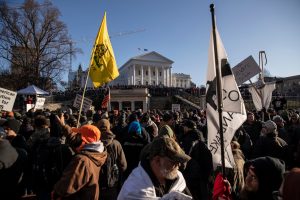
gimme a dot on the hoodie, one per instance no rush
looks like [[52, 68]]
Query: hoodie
[[80, 178]]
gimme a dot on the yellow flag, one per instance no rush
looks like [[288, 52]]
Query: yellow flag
[[103, 66]]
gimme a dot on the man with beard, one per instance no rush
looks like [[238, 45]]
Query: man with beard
[[157, 175]]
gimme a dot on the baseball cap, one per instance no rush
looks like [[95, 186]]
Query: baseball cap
[[166, 147]]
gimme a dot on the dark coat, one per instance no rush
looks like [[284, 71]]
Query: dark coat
[[12, 162], [270, 145], [200, 167], [253, 130]]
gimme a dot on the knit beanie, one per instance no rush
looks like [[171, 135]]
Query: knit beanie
[[89, 133], [269, 172], [12, 124], [270, 126], [277, 118], [135, 127]]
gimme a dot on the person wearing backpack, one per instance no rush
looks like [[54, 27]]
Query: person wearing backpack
[[114, 166]]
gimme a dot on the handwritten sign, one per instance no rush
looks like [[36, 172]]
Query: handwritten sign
[[245, 70], [7, 99], [87, 103], [39, 103]]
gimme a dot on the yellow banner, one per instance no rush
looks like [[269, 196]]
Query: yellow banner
[[103, 66]]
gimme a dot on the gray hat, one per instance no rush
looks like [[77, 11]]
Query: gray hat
[[277, 118], [270, 126], [165, 147]]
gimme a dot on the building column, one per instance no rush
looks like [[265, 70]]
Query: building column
[[142, 74], [132, 106], [170, 75], [163, 75], [156, 72], [134, 74], [166, 77], [120, 105], [149, 75]]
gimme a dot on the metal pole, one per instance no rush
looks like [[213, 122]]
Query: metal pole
[[261, 77], [80, 109], [219, 88]]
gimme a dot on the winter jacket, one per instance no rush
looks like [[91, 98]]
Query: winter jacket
[[12, 162], [270, 145], [81, 176], [116, 153]]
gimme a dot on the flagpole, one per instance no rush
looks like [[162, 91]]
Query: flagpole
[[84, 89], [88, 73], [108, 106], [219, 88]]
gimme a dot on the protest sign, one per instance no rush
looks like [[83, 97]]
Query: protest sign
[[7, 99]]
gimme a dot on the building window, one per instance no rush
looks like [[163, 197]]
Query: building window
[[146, 82], [159, 73], [139, 72], [153, 82], [153, 73], [146, 72]]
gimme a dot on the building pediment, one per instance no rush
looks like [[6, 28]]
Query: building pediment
[[153, 57]]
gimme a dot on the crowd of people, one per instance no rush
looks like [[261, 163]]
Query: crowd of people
[[145, 155]]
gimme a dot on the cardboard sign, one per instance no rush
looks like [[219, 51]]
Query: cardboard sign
[[39, 103], [175, 107], [7, 99], [87, 103], [245, 70]]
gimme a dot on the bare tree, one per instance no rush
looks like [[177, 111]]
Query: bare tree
[[34, 42]]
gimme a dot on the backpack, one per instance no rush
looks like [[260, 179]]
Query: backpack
[[110, 174]]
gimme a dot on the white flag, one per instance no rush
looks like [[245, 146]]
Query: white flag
[[234, 112], [262, 97]]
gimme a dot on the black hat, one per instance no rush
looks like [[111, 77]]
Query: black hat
[[167, 116], [12, 124], [190, 124]]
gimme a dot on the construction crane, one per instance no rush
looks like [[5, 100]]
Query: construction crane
[[113, 35]]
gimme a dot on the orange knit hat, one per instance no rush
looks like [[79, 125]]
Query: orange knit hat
[[89, 133]]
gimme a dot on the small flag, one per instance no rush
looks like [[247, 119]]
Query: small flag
[[103, 66], [106, 99]]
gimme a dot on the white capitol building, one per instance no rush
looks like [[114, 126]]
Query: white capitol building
[[146, 69]]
